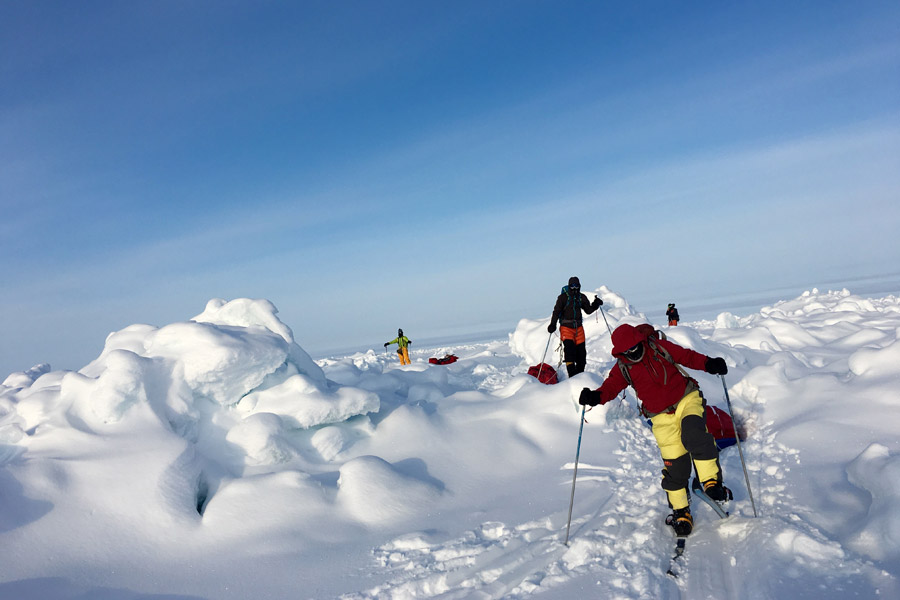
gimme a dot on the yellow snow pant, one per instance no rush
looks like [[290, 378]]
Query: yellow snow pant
[[404, 355], [674, 431]]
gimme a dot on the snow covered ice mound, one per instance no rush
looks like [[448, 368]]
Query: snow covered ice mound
[[216, 452], [193, 404], [374, 491]]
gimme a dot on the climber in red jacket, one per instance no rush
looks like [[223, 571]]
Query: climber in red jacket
[[673, 403]]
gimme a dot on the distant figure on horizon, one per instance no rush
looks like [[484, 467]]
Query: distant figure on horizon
[[567, 311], [403, 343], [672, 313]]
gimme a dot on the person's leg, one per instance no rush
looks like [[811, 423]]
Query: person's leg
[[580, 350], [569, 357], [580, 358], [404, 357], [676, 472], [676, 460], [567, 335], [696, 439]]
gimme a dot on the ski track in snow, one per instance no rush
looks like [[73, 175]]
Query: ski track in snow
[[622, 544], [508, 561]]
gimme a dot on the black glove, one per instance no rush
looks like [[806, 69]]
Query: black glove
[[597, 303], [716, 366], [408, 342], [386, 344], [590, 397], [551, 327]]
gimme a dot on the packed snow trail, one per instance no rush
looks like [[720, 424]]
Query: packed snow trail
[[619, 537], [620, 544]]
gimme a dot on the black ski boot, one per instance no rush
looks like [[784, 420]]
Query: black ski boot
[[681, 521], [715, 490]]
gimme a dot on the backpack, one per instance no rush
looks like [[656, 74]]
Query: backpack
[[652, 335], [573, 300]]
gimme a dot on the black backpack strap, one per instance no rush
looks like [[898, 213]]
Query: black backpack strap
[[573, 300], [624, 370]]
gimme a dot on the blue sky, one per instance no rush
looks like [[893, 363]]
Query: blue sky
[[441, 167]]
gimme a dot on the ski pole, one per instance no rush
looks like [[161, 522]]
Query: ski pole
[[575, 475], [602, 312], [541, 367], [737, 438]]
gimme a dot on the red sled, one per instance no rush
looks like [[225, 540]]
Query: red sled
[[544, 373], [720, 425], [448, 359]]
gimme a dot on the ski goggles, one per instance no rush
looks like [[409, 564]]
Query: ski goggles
[[635, 353]]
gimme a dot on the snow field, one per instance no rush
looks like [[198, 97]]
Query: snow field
[[214, 459]]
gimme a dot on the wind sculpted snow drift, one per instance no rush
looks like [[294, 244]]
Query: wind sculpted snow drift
[[213, 458]]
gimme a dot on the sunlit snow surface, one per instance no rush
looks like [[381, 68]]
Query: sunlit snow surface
[[213, 458]]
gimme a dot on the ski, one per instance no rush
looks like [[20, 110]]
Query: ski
[[698, 491], [679, 552], [676, 560]]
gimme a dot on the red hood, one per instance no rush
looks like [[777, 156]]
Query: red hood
[[625, 336]]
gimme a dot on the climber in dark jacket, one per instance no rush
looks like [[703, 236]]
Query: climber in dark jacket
[[569, 306], [672, 314]]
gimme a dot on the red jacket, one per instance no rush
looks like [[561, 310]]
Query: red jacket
[[656, 381]]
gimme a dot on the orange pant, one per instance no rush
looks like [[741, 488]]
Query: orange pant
[[573, 349], [568, 333], [672, 322], [404, 355]]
